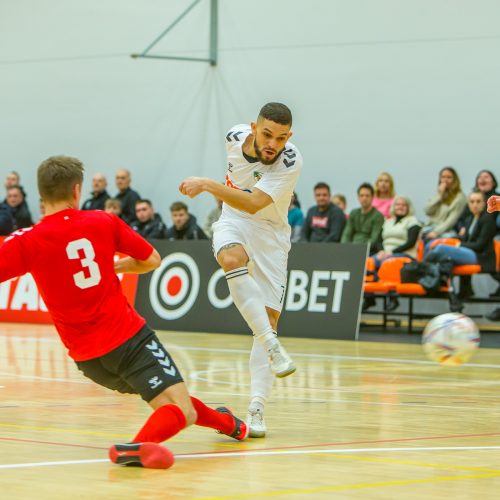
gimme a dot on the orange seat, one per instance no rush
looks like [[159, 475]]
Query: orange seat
[[496, 246], [389, 276], [420, 250], [466, 270], [376, 287], [415, 289], [370, 270], [452, 242]]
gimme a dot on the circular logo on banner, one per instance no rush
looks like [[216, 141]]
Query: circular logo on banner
[[174, 286]]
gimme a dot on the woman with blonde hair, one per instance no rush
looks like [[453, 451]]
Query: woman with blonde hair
[[384, 194], [445, 208]]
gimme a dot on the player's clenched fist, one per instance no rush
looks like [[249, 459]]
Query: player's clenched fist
[[493, 204], [192, 186]]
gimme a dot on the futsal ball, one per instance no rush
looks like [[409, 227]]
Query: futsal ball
[[450, 339]]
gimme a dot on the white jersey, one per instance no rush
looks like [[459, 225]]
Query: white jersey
[[277, 180]]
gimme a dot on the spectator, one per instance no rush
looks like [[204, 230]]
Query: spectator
[[12, 179], [325, 221], [149, 224], [6, 220], [364, 224], [341, 201], [399, 239], [213, 216], [99, 195], [126, 195], [184, 224], [18, 207], [113, 206], [476, 243], [384, 194], [445, 208], [295, 218]]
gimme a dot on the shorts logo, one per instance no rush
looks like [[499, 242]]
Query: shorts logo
[[163, 359], [155, 382], [174, 286]]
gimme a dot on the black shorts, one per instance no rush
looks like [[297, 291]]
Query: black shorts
[[141, 365]]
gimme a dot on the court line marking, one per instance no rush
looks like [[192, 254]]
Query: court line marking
[[297, 354], [269, 453]]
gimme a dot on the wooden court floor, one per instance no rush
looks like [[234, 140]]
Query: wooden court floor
[[357, 420]]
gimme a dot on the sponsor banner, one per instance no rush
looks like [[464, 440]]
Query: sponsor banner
[[21, 302], [188, 292]]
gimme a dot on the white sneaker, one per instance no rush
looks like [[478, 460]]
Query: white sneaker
[[255, 423], [281, 363]]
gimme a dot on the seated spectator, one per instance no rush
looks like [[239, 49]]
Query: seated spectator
[[126, 195], [184, 224], [325, 221], [6, 220], [18, 207], [99, 195], [212, 217], [341, 201], [12, 179], [399, 239], [295, 218], [113, 206], [364, 224], [445, 208], [384, 194], [476, 243], [149, 224]]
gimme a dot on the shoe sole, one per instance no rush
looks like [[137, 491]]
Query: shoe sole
[[284, 374], [256, 434], [227, 411], [148, 455]]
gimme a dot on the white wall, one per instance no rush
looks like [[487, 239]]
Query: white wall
[[398, 85]]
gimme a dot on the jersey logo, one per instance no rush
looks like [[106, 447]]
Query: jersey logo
[[155, 382], [289, 161], [233, 135], [257, 175], [19, 232]]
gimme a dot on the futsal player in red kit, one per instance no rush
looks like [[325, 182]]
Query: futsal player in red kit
[[70, 254]]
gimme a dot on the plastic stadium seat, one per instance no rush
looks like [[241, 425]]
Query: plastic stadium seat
[[466, 270], [389, 275], [452, 242]]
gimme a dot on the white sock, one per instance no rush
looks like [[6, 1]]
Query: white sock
[[247, 297], [261, 377]]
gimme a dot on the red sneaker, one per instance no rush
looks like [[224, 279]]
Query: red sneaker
[[150, 455], [240, 431]]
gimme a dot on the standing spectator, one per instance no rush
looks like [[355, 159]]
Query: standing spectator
[[295, 218], [365, 223], [445, 208], [18, 207], [341, 201], [148, 224], [126, 195], [99, 194], [212, 217], [184, 224], [384, 194], [12, 179], [325, 221], [6, 220], [113, 206]]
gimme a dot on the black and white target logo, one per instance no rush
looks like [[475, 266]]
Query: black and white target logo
[[174, 286]]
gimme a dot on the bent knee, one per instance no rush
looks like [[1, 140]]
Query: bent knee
[[191, 416]]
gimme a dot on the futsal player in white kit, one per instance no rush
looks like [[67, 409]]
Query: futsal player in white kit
[[251, 239]]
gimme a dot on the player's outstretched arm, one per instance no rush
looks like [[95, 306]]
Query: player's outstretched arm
[[250, 202], [131, 265], [494, 204]]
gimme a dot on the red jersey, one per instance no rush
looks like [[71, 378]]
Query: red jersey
[[71, 257]]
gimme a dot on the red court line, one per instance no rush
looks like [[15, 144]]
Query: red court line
[[51, 442], [238, 450]]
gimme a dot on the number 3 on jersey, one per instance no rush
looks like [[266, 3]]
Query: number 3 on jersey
[[88, 262]]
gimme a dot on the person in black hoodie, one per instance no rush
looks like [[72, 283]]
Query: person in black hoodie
[[325, 221], [184, 224], [99, 195], [126, 195], [476, 242], [149, 224], [18, 207], [6, 220]]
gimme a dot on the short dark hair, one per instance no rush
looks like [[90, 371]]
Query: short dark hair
[[178, 205], [277, 113], [57, 176], [366, 185], [148, 202], [18, 188], [322, 185]]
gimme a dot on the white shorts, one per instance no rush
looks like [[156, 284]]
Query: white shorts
[[267, 250]]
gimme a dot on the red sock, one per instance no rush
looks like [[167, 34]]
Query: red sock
[[207, 417], [165, 422]]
